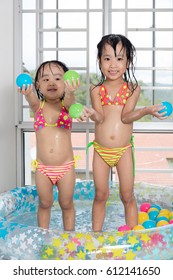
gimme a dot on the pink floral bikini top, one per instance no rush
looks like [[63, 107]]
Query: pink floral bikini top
[[120, 99], [64, 120]]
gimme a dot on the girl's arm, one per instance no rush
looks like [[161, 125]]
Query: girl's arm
[[34, 102], [129, 114], [97, 110], [69, 94]]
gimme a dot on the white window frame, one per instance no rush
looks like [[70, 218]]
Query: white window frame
[[88, 127]]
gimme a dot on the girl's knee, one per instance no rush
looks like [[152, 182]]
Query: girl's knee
[[127, 197], [102, 196], [45, 203], [66, 205]]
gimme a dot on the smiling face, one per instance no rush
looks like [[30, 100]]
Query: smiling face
[[50, 81], [113, 63]]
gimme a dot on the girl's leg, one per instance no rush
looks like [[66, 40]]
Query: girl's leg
[[101, 181], [44, 189], [66, 191], [126, 179]]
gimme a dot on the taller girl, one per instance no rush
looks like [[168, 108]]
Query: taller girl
[[114, 100]]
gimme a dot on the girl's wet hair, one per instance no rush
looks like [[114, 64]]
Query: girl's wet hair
[[40, 72], [113, 40]]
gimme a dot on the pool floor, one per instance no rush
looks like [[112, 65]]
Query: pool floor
[[114, 217]]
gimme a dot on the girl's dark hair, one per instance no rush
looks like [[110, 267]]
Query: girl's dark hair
[[113, 40], [40, 72]]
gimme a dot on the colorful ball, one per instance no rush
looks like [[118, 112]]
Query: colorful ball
[[171, 215], [153, 215], [75, 110], [153, 209], [71, 76], [124, 228], [145, 206], [23, 79], [162, 223], [156, 206], [149, 224], [142, 216], [165, 212], [161, 218], [168, 108], [166, 215], [138, 227]]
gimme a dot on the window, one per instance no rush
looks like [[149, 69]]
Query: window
[[69, 31]]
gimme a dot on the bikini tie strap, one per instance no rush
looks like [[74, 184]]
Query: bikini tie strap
[[133, 154], [88, 146]]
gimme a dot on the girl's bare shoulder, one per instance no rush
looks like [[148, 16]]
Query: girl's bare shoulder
[[133, 90], [94, 89]]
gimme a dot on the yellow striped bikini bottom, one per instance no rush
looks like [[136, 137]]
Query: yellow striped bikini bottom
[[112, 155]]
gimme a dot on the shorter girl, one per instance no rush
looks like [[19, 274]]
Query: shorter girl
[[114, 100], [55, 160]]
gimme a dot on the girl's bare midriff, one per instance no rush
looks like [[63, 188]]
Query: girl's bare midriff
[[112, 133], [52, 150]]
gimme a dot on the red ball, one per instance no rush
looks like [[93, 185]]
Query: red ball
[[145, 207], [124, 228]]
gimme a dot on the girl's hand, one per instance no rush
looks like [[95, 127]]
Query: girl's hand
[[69, 97], [26, 90], [71, 87], [154, 111], [86, 113]]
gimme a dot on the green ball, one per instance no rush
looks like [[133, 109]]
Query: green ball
[[75, 110], [71, 76]]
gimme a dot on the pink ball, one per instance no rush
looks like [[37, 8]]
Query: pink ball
[[124, 228], [145, 207], [171, 221]]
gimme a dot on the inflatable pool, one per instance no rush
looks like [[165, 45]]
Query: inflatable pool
[[20, 238]]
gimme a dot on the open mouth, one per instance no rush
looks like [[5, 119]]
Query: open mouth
[[52, 89], [113, 72]]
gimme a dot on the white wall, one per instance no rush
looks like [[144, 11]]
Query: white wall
[[7, 99]]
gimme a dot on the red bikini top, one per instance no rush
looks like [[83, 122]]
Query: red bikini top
[[64, 120], [120, 99]]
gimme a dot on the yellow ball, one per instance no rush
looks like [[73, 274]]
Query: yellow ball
[[153, 209], [162, 223], [165, 212], [142, 217], [163, 215], [171, 215], [138, 227]]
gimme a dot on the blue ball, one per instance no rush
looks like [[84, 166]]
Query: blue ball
[[162, 219], [23, 79], [153, 215], [168, 108], [149, 224], [156, 206]]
